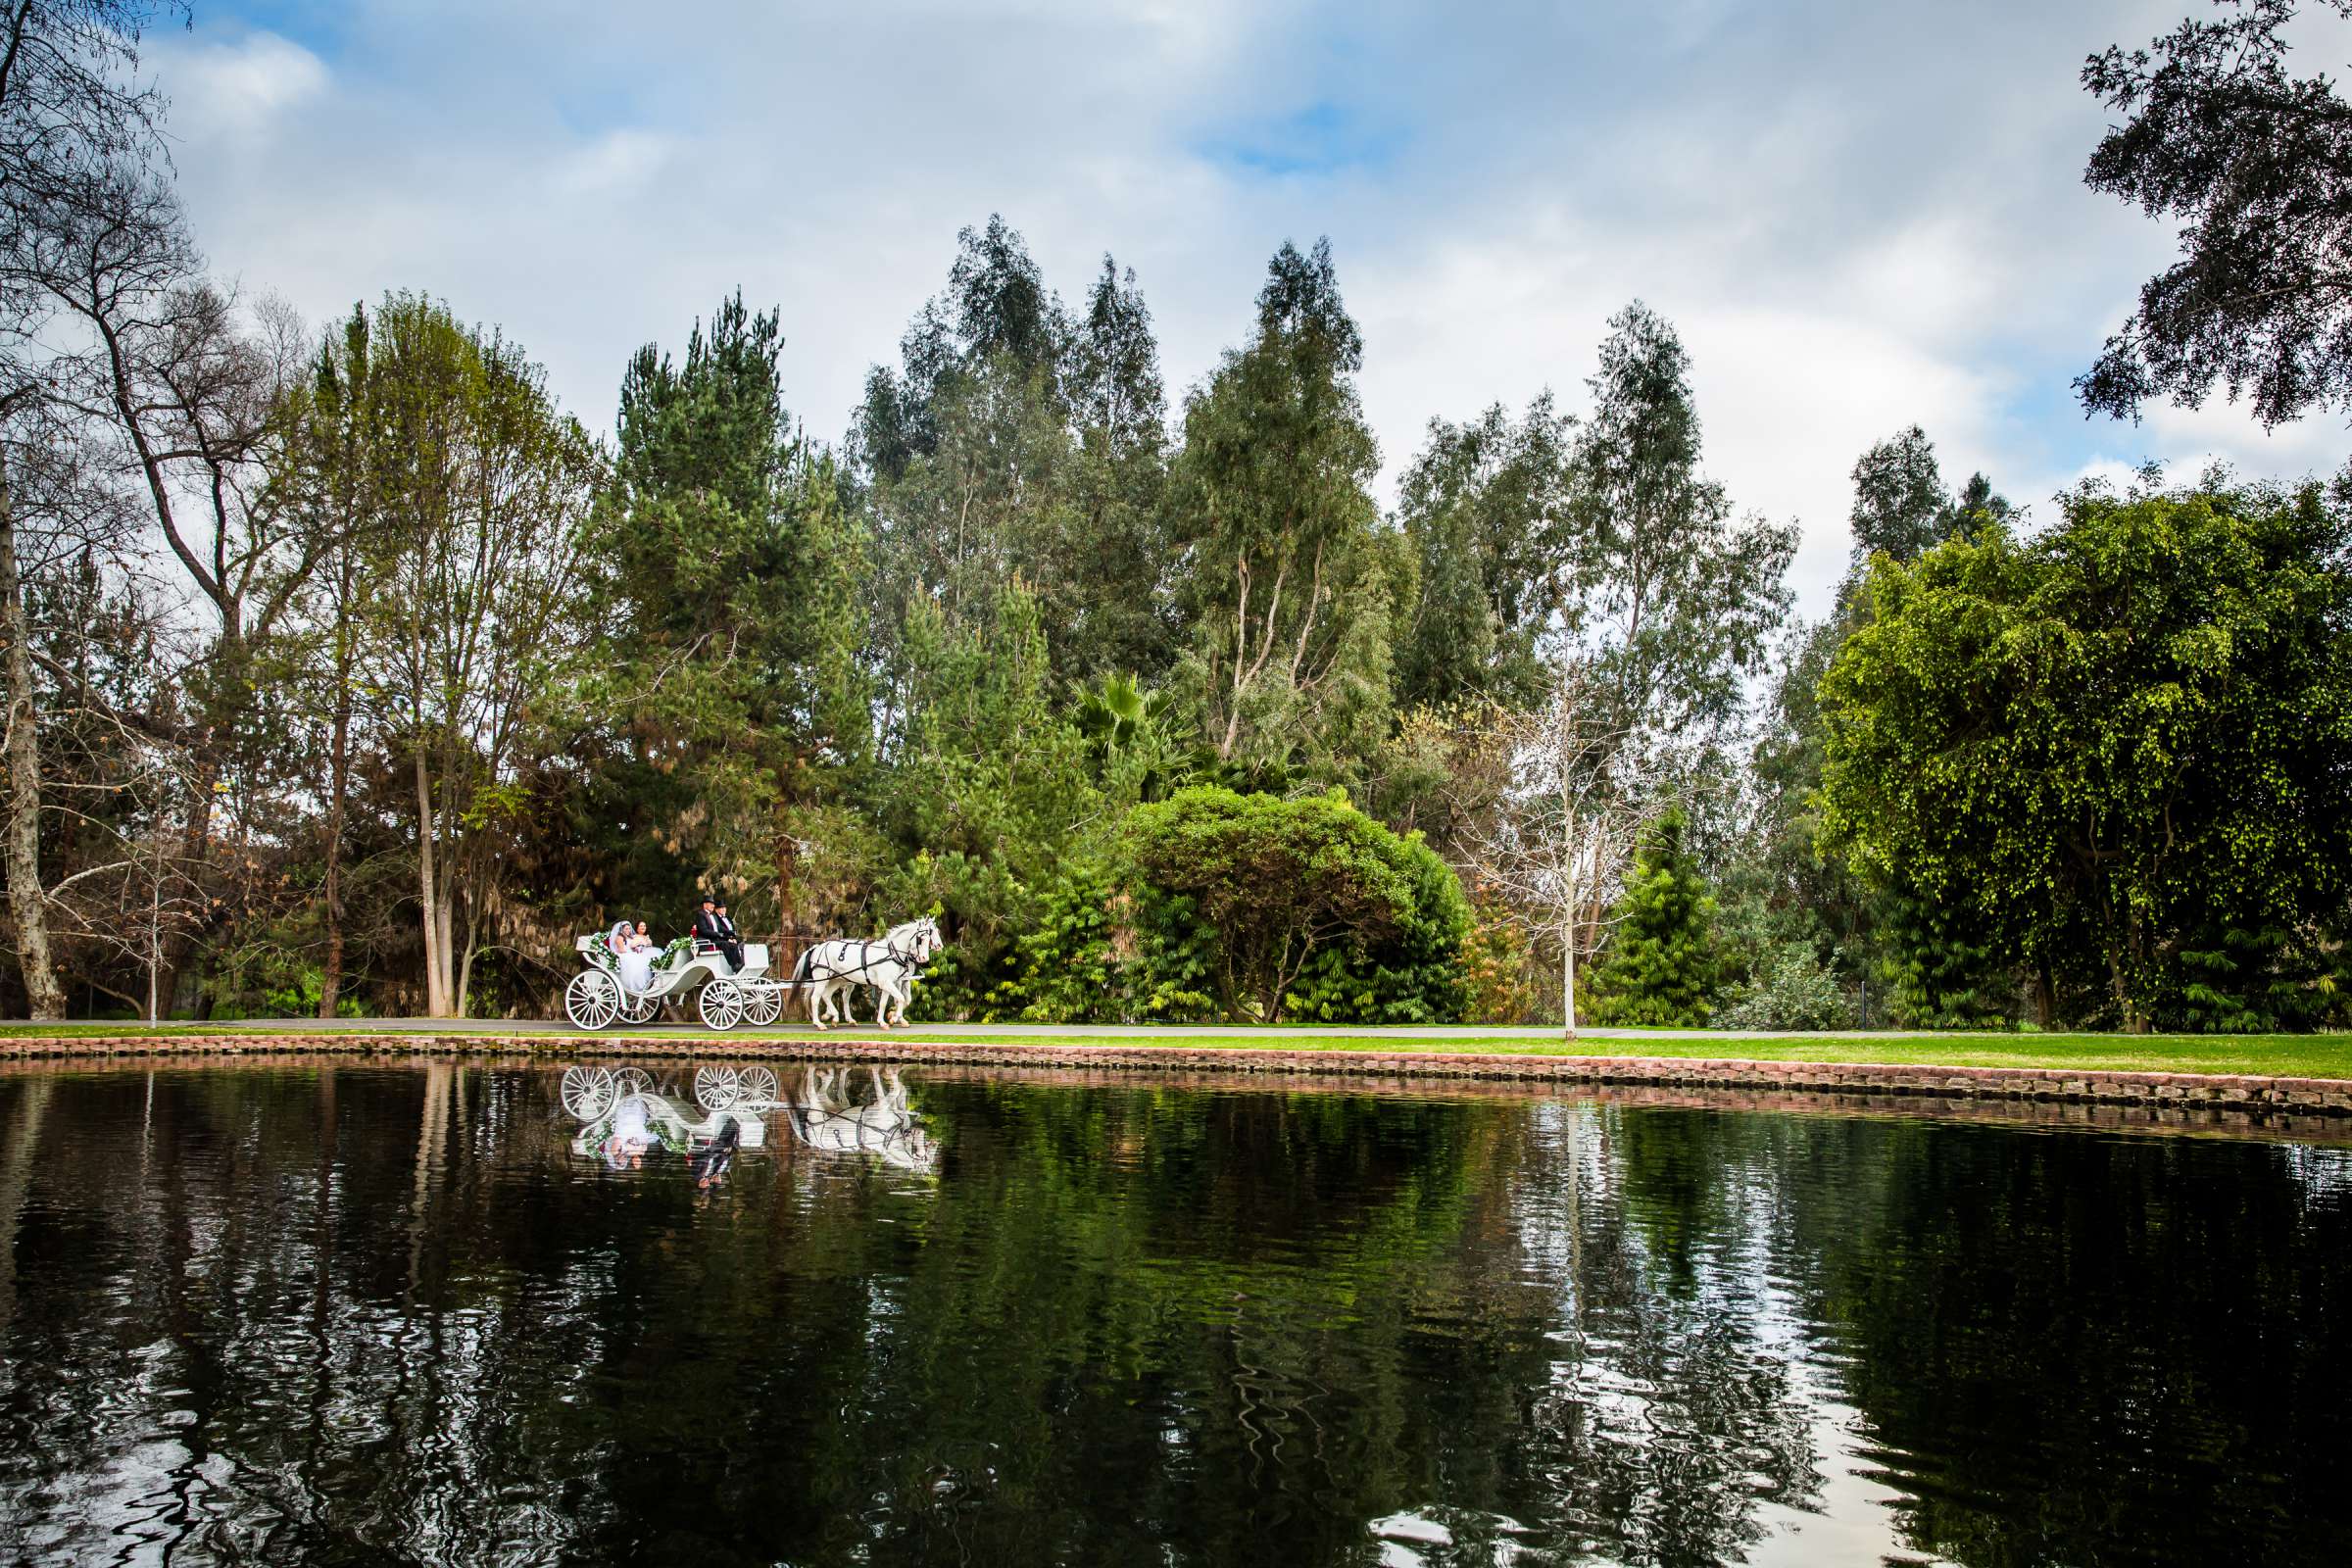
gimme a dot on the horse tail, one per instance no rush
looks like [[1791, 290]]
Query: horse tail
[[800, 970]]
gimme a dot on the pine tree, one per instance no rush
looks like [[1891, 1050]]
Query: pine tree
[[727, 572], [1662, 967]]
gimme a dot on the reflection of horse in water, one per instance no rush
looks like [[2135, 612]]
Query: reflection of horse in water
[[825, 1118]]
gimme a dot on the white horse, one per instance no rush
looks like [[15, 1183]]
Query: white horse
[[825, 1118], [832, 968]]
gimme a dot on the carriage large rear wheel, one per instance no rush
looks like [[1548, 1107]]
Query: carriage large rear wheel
[[639, 1009], [722, 1005], [593, 998]]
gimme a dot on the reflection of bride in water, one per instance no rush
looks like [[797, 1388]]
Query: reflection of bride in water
[[825, 1118], [623, 1118]]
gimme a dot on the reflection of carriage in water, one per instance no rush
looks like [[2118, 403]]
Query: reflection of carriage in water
[[723, 994], [625, 1114]]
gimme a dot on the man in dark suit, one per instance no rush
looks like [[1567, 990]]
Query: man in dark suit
[[715, 928]]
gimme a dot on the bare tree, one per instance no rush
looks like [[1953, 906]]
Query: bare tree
[[73, 116], [1581, 787]]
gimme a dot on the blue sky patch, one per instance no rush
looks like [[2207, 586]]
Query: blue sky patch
[[1323, 138]]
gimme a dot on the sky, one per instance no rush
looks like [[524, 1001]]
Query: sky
[[1860, 215]]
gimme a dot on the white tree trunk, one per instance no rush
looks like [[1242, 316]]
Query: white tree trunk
[[44, 997], [436, 986]]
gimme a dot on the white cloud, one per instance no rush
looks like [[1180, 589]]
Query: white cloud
[[1860, 215], [238, 89], [616, 163]]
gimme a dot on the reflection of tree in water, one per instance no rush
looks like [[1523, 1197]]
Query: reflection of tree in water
[[338, 1312], [2088, 1349], [1668, 1410]]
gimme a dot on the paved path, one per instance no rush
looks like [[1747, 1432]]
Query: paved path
[[963, 1031]]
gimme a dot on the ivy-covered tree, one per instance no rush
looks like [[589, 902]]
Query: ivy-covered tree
[[2119, 754], [1662, 967]]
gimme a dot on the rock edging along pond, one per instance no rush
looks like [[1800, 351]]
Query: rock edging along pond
[[2229, 1090]]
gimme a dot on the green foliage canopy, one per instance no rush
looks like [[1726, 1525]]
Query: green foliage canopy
[[2104, 751]]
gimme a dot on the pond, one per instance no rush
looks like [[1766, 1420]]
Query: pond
[[481, 1313]]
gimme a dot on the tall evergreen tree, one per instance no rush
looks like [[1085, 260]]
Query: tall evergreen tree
[[996, 307], [1014, 443], [1114, 571], [1287, 582], [728, 575], [1900, 505], [1662, 967]]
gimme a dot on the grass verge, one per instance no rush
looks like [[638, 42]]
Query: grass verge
[[2280, 1055]]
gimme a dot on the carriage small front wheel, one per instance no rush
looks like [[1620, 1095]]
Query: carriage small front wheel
[[593, 998], [762, 1004], [722, 1005]]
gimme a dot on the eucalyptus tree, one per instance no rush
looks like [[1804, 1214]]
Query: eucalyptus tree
[[1013, 441], [996, 306], [1114, 570], [1485, 508], [1288, 581], [1673, 600], [475, 622], [1902, 505]]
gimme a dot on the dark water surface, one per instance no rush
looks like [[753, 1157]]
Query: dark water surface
[[341, 1315]]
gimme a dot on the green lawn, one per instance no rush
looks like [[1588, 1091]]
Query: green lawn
[[2282, 1055], [2285, 1055]]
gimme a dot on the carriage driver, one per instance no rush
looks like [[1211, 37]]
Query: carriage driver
[[711, 925]]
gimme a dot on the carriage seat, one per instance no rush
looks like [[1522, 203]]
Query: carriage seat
[[755, 959]]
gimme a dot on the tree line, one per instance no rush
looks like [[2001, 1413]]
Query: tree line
[[347, 670]]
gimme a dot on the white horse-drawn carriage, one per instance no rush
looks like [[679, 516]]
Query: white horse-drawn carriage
[[724, 994]]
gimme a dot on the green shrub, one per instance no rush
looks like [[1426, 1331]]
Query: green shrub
[[1794, 990], [1312, 909]]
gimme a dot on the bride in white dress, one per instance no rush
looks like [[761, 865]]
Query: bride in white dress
[[635, 951]]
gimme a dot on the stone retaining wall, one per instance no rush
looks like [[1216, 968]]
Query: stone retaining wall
[[2323, 1096]]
